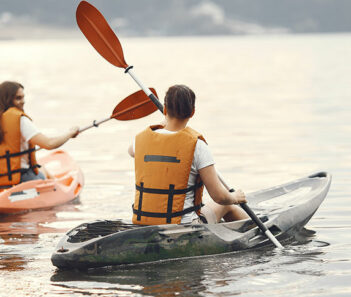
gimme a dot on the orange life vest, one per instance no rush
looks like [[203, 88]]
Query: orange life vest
[[162, 169], [10, 148]]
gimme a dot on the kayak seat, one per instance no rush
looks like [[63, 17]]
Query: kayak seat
[[58, 165], [67, 181]]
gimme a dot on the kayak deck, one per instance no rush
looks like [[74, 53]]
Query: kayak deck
[[65, 184], [284, 209]]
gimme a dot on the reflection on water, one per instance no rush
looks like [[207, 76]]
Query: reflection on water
[[156, 279], [159, 278], [20, 234], [272, 108], [34, 222], [220, 275]]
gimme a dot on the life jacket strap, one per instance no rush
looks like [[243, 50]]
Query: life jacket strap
[[141, 191], [8, 157], [166, 215], [21, 170], [167, 191], [170, 192]]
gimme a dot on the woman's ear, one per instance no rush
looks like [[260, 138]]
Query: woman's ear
[[164, 110], [192, 113]]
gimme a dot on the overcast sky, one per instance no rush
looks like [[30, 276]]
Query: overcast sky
[[180, 17]]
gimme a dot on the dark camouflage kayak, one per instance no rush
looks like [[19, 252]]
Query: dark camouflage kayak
[[284, 209]]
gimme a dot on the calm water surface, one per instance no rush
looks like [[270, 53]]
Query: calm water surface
[[273, 108]]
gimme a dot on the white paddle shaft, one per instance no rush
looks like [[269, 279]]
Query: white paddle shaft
[[145, 89], [94, 124]]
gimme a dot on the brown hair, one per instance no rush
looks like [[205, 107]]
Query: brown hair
[[8, 91], [180, 102]]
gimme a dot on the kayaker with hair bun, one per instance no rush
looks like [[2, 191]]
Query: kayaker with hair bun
[[19, 136], [172, 164]]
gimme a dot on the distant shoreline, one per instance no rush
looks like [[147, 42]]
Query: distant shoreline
[[8, 33]]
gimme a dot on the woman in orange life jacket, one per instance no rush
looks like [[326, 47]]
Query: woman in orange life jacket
[[172, 164], [19, 136]]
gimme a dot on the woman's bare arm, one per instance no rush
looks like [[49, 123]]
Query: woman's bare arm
[[217, 191], [50, 143]]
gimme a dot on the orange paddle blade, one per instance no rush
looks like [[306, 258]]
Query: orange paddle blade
[[96, 29], [135, 106]]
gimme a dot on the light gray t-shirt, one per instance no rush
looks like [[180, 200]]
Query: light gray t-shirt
[[202, 158]]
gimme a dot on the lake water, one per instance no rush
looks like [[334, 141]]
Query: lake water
[[272, 108]]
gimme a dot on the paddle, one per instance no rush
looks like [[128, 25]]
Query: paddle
[[96, 29], [135, 106], [253, 216]]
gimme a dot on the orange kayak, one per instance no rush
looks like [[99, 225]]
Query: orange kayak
[[65, 184]]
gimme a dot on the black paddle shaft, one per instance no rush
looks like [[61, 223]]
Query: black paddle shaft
[[157, 102], [252, 215]]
